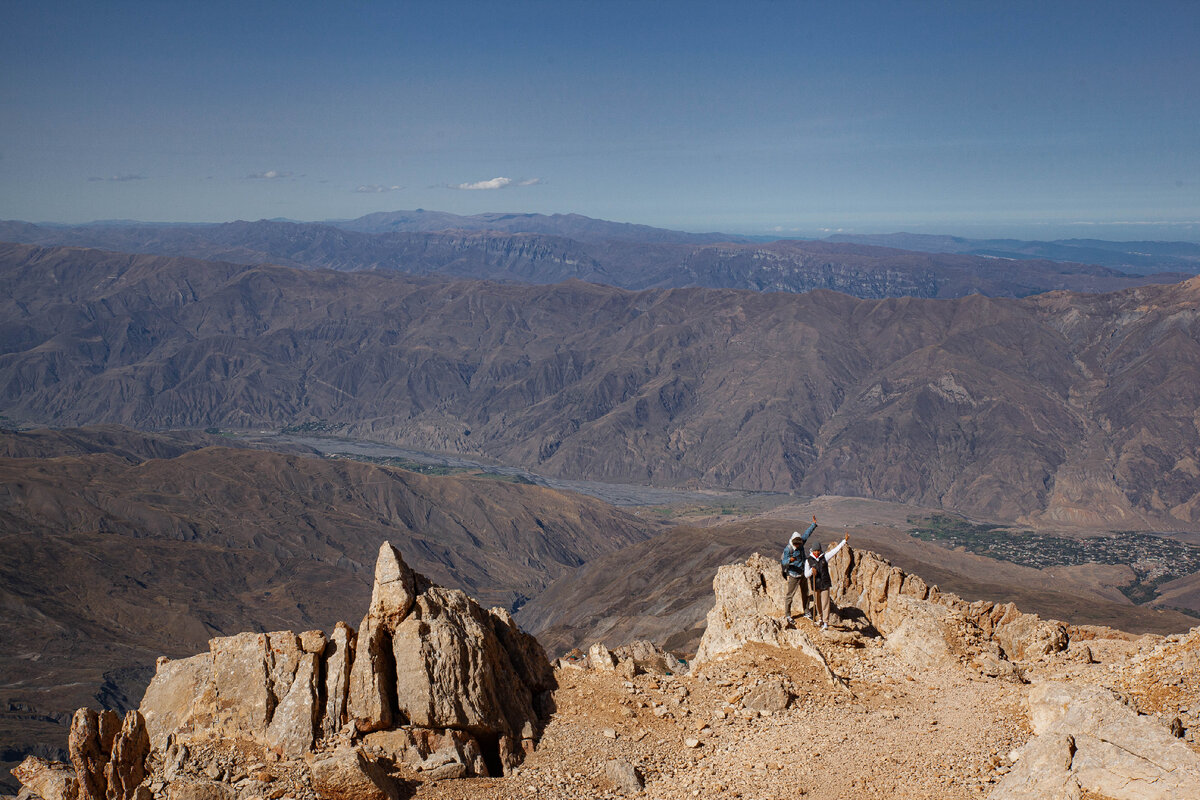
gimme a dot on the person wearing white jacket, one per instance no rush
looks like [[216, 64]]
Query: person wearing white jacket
[[816, 566]]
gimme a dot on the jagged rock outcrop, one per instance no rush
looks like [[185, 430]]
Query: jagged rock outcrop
[[89, 744], [425, 656], [1087, 740], [747, 608], [919, 621], [432, 681], [108, 760], [339, 656], [891, 599], [126, 767]]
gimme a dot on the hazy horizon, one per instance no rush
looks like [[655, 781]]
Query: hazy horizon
[[1028, 231]]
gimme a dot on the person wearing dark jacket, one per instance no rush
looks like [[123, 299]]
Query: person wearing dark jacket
[[816, 566], [791, 563]]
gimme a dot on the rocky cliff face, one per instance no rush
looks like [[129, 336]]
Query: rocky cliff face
[[430, 681], [914, 617]]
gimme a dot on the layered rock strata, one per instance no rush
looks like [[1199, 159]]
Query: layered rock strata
[[431, 681]]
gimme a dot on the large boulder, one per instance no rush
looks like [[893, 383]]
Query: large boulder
[[49, 780], [1087, 740], [920, 632], [770, 696], [180, 698], [347, 773], [433, 751]]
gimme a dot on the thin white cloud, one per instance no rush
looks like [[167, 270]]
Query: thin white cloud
[[270, 175], [374, 188], [496, 183], [119, 178]]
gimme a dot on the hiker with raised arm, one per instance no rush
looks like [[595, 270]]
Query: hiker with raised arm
[[816, 566], [791, 563]]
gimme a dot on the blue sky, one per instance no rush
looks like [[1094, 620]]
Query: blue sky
[[1039, 120]]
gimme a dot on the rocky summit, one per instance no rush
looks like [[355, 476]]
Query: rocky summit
[[911, 692], [431, 681]]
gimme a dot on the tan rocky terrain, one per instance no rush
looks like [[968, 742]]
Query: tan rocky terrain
[[171, 540], [1062, 409], [912, 692], [117, 547]]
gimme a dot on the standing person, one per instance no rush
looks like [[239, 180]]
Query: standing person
[[791, 564], [816, 566]]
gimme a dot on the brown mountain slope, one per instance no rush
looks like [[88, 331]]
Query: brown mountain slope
[[120, 441], [1073, 408], [107, 561]]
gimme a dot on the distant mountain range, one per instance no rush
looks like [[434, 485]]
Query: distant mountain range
[[1062, 408], [567, 226], [533, 248], [1136, 257]]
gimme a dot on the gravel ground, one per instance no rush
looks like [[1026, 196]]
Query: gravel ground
[[897, 731]]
